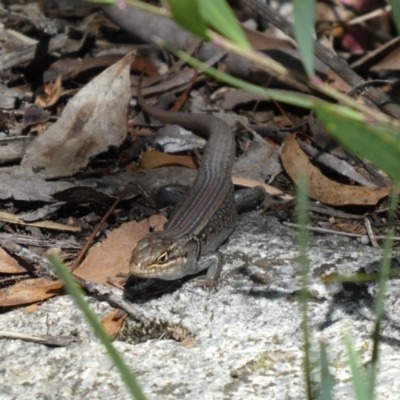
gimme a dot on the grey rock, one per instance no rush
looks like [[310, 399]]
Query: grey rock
[[248, 333]]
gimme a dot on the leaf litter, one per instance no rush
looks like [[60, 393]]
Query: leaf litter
[[93, 120], [81, 145]]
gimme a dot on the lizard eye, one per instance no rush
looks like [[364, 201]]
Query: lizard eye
[[163, 258]]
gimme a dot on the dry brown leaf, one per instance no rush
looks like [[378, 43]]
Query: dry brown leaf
[[155, 159], [51, 93], [157, 222], [9, 265], [32, 308], [322, 188], [349, 228], [113, 254], [29, 291], [189, 343], [113, 322], [181, 335], [94, 119], [158, 161], [268, 188], [389, 63], [13, 219]]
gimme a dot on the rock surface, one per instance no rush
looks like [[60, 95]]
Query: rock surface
[[248, 333]]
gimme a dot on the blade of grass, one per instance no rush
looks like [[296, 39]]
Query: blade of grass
[[76, 294], [378, 143], [304, 19], [316, 83], [187, 14], [361, 387], [326, 379], [396, 13], [360, 277], [302, 233], [384, 274], [220, 17], [261, 59], [293, 99]]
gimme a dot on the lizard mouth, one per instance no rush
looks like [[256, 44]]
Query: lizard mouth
[[167, 271]]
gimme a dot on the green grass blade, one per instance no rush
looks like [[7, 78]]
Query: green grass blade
[[361, 387], [293, 99], [187, 14], [326, 379], [220, 17], [302, 218], [384, 275], [380, 144], [76, 294], [394, 273], [107, 2], [396, 13], [384, 272], [304, 20]]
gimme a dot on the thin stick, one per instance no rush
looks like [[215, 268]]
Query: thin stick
[[333, 232], [99, 291], [96, 230]]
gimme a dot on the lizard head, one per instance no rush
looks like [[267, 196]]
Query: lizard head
[[158, 256]]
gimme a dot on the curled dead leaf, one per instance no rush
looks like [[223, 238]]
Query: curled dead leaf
[[113, 322], [51, 93], [322, 188]]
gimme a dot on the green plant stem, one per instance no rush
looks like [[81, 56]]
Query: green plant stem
[[301, 214], [361, 387], [326, 379], [316, 84], [278, 68], [295, 100], [117, 360], [261, 59], [384, 274]]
